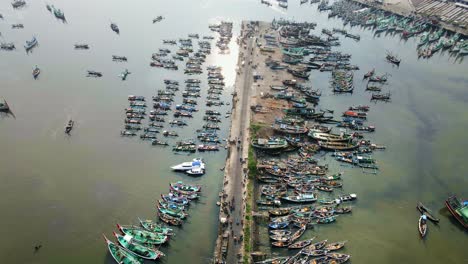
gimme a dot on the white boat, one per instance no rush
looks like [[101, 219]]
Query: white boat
[[190, 165], [196, 171]]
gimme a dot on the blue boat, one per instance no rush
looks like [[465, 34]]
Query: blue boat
[[279, 225]]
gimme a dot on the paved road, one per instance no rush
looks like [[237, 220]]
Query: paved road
[[239, 127]]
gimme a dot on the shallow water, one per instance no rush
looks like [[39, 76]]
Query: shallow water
[[64, 192]]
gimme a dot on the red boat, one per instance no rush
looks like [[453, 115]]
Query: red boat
[[459, 209]]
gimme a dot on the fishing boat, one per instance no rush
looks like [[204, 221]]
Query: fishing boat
[[133, 246], [184, 188], [81, 46], [143, 236], [172, 212], [338, 146], [157, 19], [270, 144], [18, 3], [121, 255], [59, 14], [340, 258], [301, 198], [381, 78], [459, 209], [369, 74], [94, 74], [115, 28], [422, 225], [380, 97], [4, 106], [30, 44], [278, 225], [36, 71], [326, 220], [150, 225], [393, 59], [170, 220], [424, 210], [301, 244], [316, 246], [124, 74], [326, 137], [69, 126], [7, 46], [335, 246]]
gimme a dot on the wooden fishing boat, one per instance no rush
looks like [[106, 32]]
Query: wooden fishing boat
[[143, 236], [141, 251], [422, 225], [340, 146], [459, 209], [324, 188], [424, 210], [326, 220], [342, 210], [294, 130], [301, 244], [280, 244], [369, 74], [279, 211], [342, 258], [172, 212], [335, 246], [152, 226], [327, 137], [393, 59], [301, 198], [121, 255], [170, 220], [381, 97], [315, 246]]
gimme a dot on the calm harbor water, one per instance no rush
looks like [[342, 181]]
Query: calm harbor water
[[64, 192]]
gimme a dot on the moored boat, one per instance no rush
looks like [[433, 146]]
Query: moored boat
[[133, 246], [424, 210], [121, 255], [459, 209]]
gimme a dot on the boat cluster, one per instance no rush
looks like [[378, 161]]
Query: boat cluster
[[163, 104], [193, 60], [375, 85], [138, 243], [432, 38], [225, 34]]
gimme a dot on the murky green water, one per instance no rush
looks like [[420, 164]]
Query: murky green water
[[65, 192]]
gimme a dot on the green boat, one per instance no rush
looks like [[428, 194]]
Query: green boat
[[151, 226], [121, 255], [450, 42], [141, 251], [183, 188], [143, 236], [423, 39], [174, 213], [269, 144], [436, 35], [326, 220]]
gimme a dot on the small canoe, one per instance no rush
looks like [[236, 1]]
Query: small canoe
[[315, 246], [141, 251], [121, 255], [424, 210], [422, 225]]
